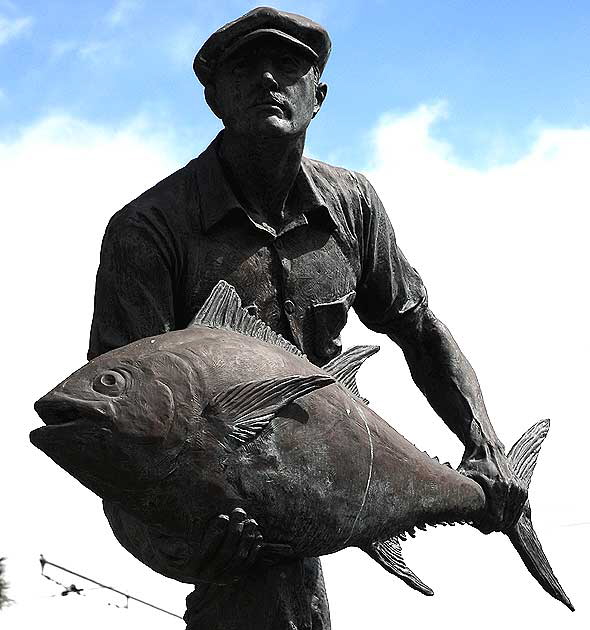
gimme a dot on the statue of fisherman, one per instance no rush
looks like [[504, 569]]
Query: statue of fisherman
[[302, 242]]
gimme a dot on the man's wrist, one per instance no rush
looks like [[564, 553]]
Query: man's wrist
[[482, 441]]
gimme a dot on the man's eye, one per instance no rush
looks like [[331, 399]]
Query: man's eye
[[239, 67], [110, 383], [289, 63]]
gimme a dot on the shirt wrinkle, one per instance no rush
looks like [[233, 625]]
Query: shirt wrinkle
[[217, 198], [161, 258]]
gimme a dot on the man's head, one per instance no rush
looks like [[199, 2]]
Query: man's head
[[261, 72]]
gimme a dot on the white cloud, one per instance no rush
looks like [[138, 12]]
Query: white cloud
[[503, 253], [122, 11], [13, 28], [62, 180], [468, 218]]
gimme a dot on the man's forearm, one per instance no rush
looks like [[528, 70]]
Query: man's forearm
[[446, 378]]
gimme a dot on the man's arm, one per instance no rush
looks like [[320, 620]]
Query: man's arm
[[134, 284], [446, 378], [391, 299]]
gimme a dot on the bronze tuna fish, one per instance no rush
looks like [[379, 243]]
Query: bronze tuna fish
[[174, 429]]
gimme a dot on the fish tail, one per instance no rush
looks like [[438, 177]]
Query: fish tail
[[523, 458]]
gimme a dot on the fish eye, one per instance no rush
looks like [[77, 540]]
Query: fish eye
[[111, 383]]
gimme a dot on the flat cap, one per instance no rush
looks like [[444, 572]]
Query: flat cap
[[311, 38]]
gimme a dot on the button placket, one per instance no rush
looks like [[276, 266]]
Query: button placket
[[289, 305]]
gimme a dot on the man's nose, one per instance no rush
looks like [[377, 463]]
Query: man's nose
[[267, 74], [267, 79]]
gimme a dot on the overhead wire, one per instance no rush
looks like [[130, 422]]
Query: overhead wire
[[73, 589]]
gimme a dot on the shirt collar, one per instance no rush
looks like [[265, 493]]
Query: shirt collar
[[217, 198]]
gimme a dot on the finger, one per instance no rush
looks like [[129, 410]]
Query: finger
[[516, 500], [237, 516], [502, 503], [214, 536], [491, 519], [508, 509], [245, 545], [229, 545], [249, 534], [253, 555]]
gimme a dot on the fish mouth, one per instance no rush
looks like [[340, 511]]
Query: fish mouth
[[58, 409]]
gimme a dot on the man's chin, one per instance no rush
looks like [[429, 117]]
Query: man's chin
[[272, 126], [269, 126]]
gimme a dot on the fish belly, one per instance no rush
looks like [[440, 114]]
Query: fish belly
[[306, 479]]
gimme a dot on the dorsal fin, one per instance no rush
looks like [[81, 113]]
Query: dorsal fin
[[223, 309], [345, 367]]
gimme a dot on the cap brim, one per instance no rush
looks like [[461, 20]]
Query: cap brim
[[262, 32]]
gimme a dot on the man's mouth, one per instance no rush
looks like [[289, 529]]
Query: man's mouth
[[268, 102]]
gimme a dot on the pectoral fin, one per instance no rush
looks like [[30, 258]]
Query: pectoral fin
[[245, 410], [388, 553]]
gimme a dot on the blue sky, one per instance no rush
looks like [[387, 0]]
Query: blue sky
[[472, 120], [502, 67]]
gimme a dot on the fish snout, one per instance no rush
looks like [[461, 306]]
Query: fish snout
[[57, 408]]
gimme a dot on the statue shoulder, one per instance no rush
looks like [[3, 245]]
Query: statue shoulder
[[336, 179], [349, 195], [168, 206]]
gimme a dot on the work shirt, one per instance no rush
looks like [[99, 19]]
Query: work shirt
[[164, 252]]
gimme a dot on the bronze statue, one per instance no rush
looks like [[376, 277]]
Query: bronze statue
[[302, 242], [173, 429]]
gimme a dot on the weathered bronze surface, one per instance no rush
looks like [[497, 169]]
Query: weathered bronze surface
[[302, 242], [174, 429]]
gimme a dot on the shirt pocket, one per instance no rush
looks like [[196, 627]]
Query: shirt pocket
[[329, 320]]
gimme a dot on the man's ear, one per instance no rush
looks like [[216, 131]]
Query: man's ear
[[320, 94], [211, 98]]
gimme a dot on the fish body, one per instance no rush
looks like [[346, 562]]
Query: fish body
[[172, 430]]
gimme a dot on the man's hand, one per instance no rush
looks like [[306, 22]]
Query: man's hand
[[505, 494], [229, 547]]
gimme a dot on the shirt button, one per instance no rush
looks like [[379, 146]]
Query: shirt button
[[289, 307]]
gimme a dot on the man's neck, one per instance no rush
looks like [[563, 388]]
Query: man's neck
[[264, 170]]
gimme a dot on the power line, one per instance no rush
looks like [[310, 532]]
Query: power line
[[128, 597]]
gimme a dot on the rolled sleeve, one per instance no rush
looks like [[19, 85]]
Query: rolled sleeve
[[134, 292], [390, 289]]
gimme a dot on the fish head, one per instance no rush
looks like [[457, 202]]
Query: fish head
[[119, 423]]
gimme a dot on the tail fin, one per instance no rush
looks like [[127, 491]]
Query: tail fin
[[523, 458]]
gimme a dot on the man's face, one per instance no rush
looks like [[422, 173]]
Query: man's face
[[266, 88]]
